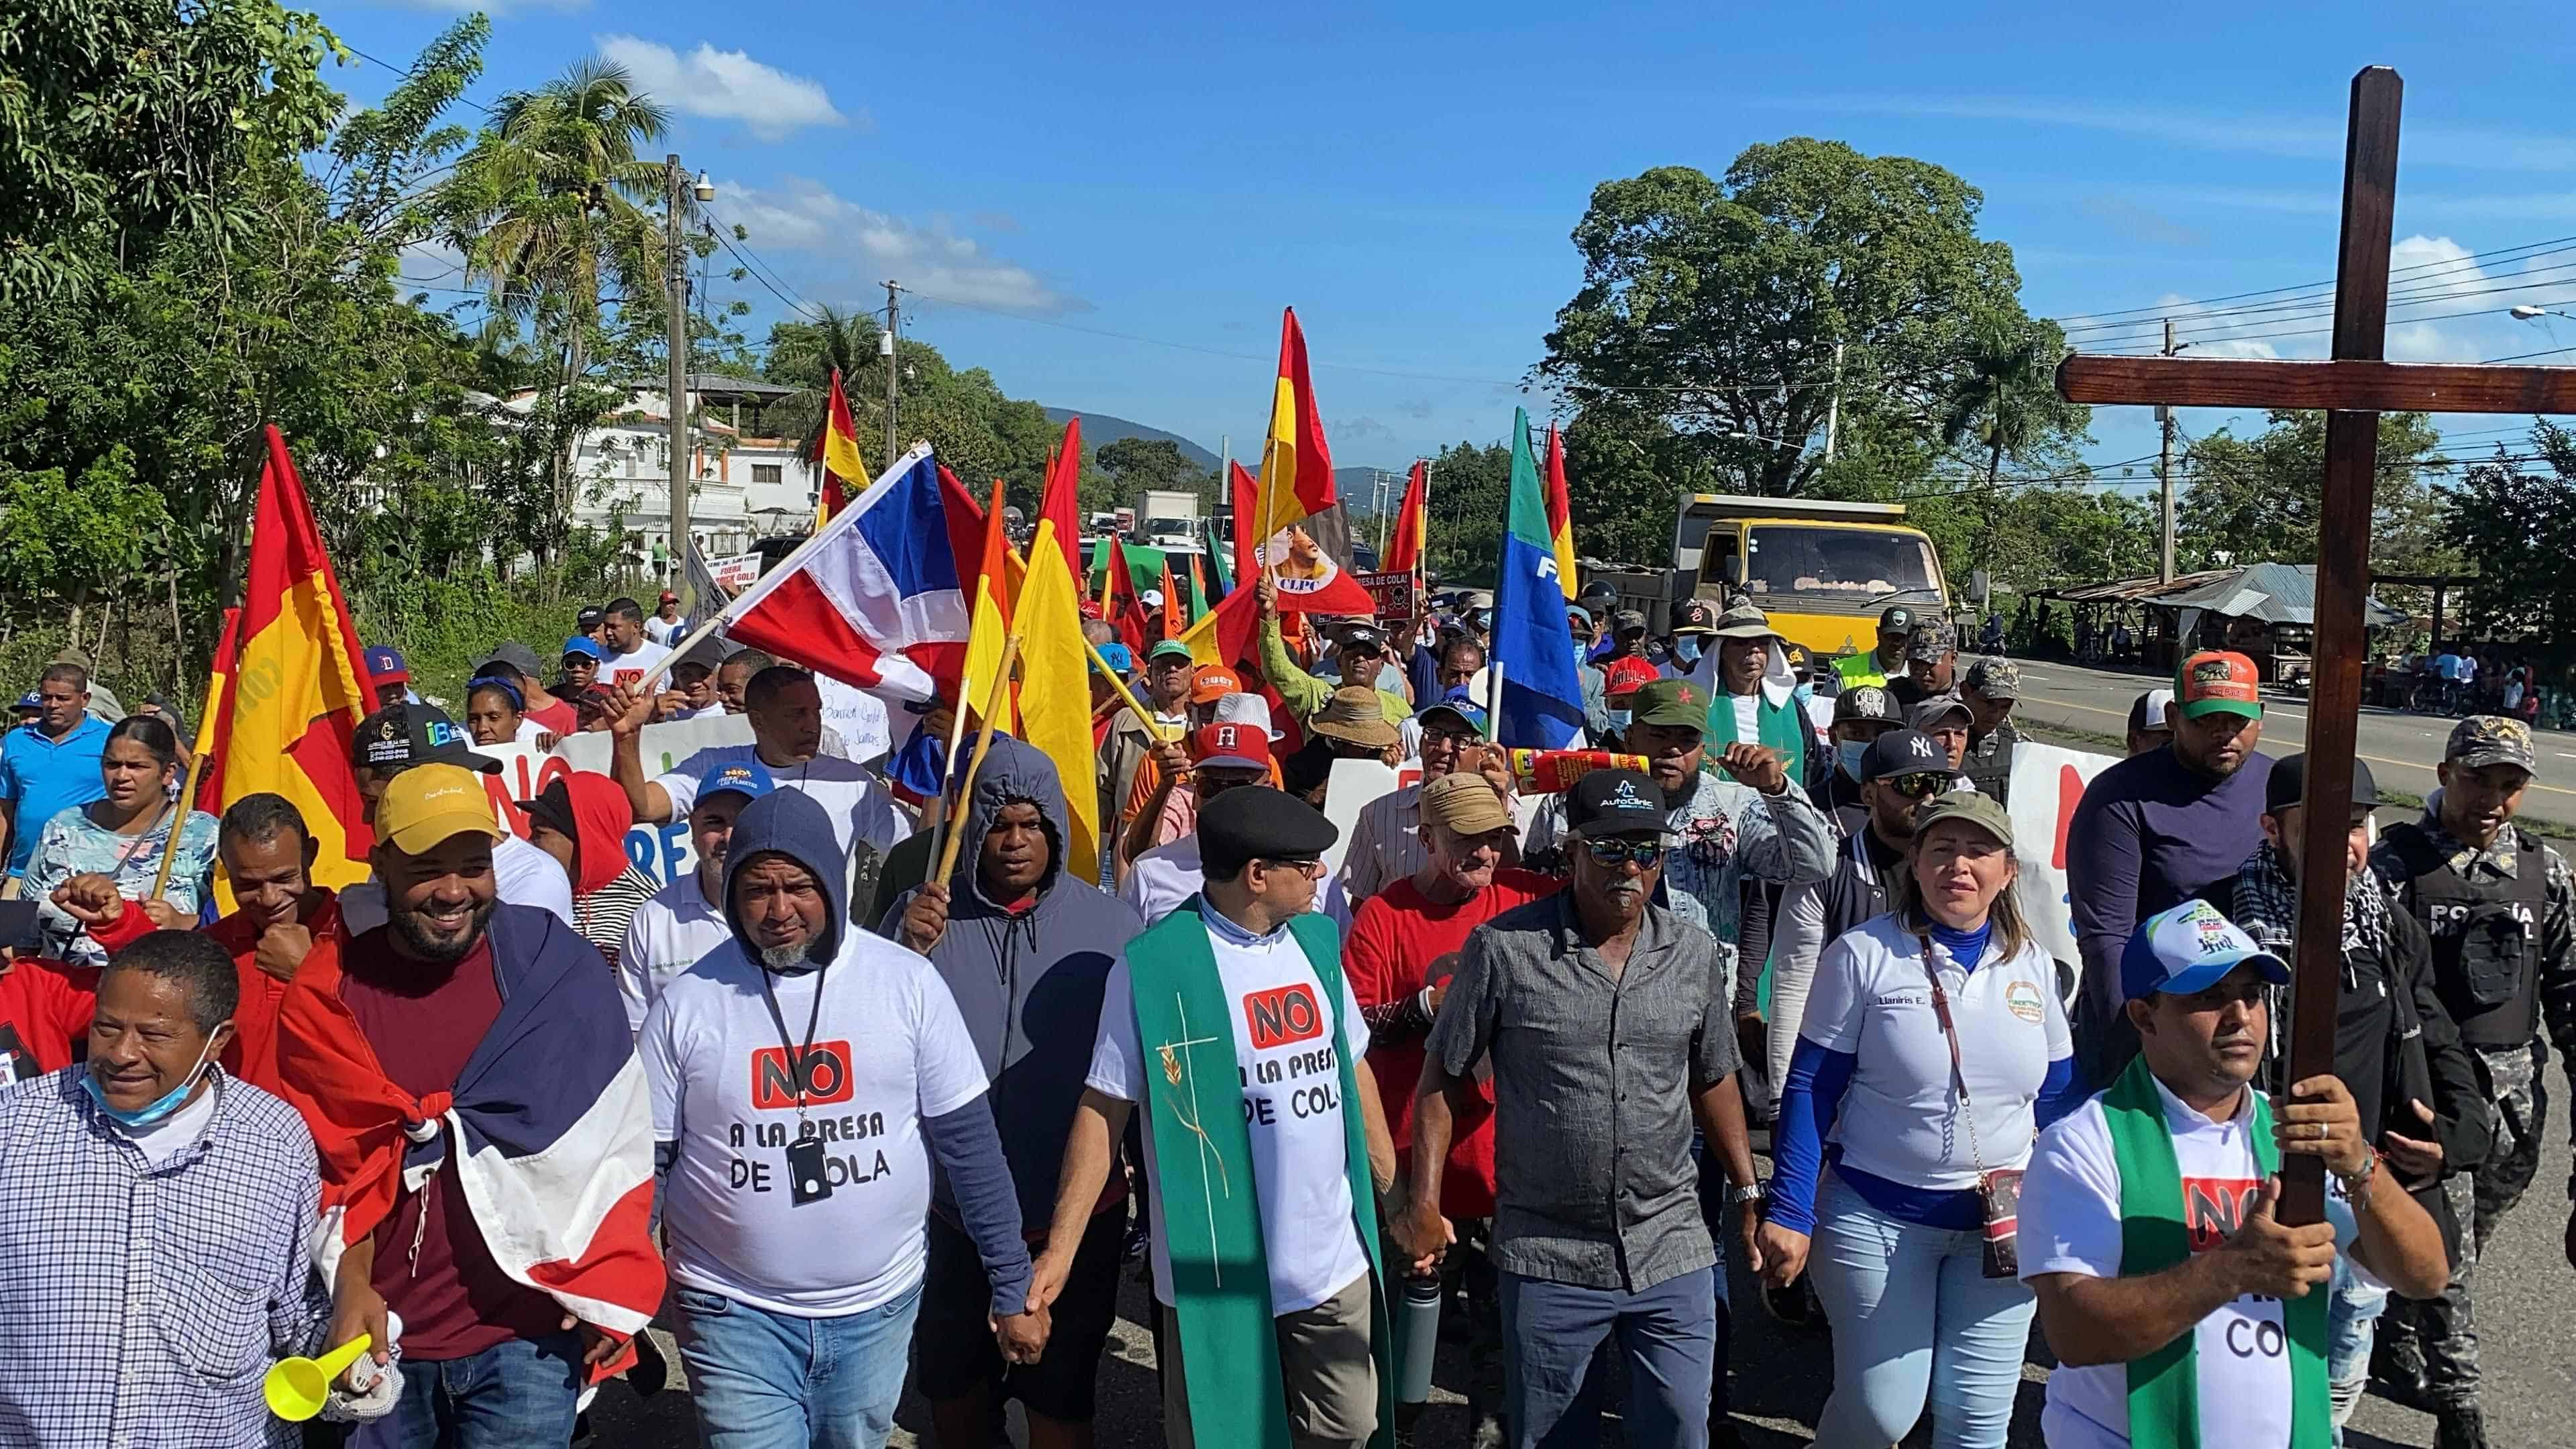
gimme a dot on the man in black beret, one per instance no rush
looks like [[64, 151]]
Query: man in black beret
[[1266, 1150]]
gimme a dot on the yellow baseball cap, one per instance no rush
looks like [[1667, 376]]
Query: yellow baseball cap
[[427, 804]]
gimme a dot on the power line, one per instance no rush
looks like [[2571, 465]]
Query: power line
[[2162, 307]]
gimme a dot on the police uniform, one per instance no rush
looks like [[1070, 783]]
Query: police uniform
[[2503, 927], [1988, 764]]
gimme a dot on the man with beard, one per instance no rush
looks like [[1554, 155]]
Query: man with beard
[[2501, 910], [479, 1039], [627, 653], [1606, 1027], [2158, 829], [684, 920], [1400, 956], [1024, 950]]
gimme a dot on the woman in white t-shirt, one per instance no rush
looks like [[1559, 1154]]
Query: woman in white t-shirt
[[1888, 1122]]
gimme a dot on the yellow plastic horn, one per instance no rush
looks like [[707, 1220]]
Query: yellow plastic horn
[[296, 1387]]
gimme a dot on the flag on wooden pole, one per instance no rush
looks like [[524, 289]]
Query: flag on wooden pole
[[989, 622], [843, 469], [1055, 693]]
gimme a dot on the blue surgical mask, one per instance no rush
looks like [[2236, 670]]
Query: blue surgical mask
[[1686, 648], [1848, 753], [161, 1106], [1619, 720]]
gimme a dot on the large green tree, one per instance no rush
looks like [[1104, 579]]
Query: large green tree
[[2257, 499], [1471, 496], [2516, 517], [1732, 312]]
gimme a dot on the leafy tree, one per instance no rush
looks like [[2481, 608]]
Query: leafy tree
[[803, 355], [1133, 465], [1471, 496], [2259, 498], [2518, 522], [2002, 400], [1714, 307]]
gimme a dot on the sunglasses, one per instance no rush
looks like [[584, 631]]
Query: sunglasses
[[1612, 852], [1917, 786]]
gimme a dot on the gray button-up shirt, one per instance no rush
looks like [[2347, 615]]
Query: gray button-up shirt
[[1594, 1080]]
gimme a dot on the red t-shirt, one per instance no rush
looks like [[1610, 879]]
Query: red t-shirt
[[558, 718], [1396, 935], [252, 1056], [45, 1007], [424, 1026]]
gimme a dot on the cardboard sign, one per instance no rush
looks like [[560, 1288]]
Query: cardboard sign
[[660, 851], [1398, 596], [2046, 784], [735, 572]]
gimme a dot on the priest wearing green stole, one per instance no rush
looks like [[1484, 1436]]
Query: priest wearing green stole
[[1752, 690], [2183, 1314], [1266, 1149]]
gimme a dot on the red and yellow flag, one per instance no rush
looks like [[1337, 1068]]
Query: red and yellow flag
[[1560, 508], [281, 719], [1412, 523], [1060, 504], [1296, 466], [845, 473], [990, 622], [1055, 692]]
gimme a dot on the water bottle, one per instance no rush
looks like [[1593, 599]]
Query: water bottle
[[1417, 1338]]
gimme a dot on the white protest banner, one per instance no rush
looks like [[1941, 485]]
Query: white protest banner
[[660, 851], [735, 572], [2046, 784], [1352, 785]]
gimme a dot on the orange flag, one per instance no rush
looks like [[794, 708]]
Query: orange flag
[[284, 719], [1412, 523], [1296, 466], [1175, 608]]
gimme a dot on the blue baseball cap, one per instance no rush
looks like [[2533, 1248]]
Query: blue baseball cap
[[1456, 702], [584, 645], [1117, 658], [2189, 948], [385, 665], [744, 777], [31, 700]]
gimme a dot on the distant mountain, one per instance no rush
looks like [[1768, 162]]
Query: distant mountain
[[1099, 428]]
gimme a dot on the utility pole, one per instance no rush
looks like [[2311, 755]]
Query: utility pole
[[885, 349], [1834, 405], [676, 283], [2164, 469]]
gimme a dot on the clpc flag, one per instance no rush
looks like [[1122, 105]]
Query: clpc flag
[[1542, 693], [873, 599]]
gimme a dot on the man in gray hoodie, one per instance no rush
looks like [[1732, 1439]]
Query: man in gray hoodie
[[1024, 949]]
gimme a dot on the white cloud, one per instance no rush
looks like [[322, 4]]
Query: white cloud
[[726, 85], [930, 259]]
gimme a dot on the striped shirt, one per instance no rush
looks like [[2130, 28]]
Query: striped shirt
[[606, 912]]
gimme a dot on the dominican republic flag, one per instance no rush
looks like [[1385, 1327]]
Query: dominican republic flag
[[549, 1131], [873, 599]]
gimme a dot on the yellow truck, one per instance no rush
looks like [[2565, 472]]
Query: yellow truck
[[1821, 570]]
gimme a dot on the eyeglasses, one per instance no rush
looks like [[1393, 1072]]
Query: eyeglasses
[[1304, 865], [1612, 852], [1916, 786]]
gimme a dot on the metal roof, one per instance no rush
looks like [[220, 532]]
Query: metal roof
[[2275, 593], [717, 382]]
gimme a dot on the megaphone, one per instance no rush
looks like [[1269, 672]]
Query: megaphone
[[296, 1387]]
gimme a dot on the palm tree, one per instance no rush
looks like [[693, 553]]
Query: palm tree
[[2002, 397], [804, 354], [553, 201]]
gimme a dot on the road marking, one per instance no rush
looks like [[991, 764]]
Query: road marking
[[2123, 715]]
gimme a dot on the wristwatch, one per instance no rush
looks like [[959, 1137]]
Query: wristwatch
[[1747, 1194]]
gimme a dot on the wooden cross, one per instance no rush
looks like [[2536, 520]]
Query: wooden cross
[[2353, 388]]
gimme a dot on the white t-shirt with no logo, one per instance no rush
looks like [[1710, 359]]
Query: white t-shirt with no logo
[[860, 805], [893, 1051], [2070, 1223], [1299, 1152], [667, 935]]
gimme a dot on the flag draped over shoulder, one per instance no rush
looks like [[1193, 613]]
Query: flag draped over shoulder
[[1560, 511], [1412, 523], [839, 455], [286, 709], [1542, 692], [1055, 692], [873, 599]]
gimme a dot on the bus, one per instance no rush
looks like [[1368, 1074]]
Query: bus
[[1822, 571]]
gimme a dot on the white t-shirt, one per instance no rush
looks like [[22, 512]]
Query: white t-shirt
[[2070, 1223], [1299, 1153], [663, 631], [166, 1138], [625, 669], [671, 932], [522, 875], [1163, 877], [890, 1050], [860, 805], [1871, 999]]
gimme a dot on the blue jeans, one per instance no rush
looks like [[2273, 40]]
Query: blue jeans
[[1668, 1334], [512, 1394], [2352, 1313], [1914, 1314], [763, 1380]]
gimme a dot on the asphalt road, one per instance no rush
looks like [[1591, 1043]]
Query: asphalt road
[[2402, 748], [1780, 1377]]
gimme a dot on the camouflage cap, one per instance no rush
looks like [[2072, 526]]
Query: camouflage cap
[[1932, 641], [2491, 739], [1995, 678]]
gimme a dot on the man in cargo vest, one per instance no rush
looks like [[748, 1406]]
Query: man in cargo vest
[[2497, 904]]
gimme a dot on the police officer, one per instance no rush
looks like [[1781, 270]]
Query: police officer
[[1879, 665], [1990, 689], [1931, 663], [2501, 910]]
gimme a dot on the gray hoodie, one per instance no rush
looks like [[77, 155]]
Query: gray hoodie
[[1027, 982]]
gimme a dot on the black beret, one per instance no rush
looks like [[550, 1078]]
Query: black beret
[[1256, 822]]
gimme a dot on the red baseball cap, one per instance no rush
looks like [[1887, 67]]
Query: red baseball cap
[[2216, 681], [1232, 746]]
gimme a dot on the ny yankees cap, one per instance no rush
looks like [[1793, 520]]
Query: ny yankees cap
[[1902, 752]]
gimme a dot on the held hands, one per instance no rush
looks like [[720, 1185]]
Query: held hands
[[1755, 766], [2273, 1261], [2418, 1160], [926, 919], [1779, 1254], [1023, 1336], [2318, 1119], [1422, 1235]]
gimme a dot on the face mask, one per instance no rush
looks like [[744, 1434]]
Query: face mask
[[162, 1106], [1686, 648], [1848, 753], [1619, 721]]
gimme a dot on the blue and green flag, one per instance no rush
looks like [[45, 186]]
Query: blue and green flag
[[1542, 694]]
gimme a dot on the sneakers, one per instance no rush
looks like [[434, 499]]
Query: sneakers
[[2459, 1428]]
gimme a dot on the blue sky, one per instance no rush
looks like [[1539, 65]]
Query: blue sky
[[1107, 205]]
